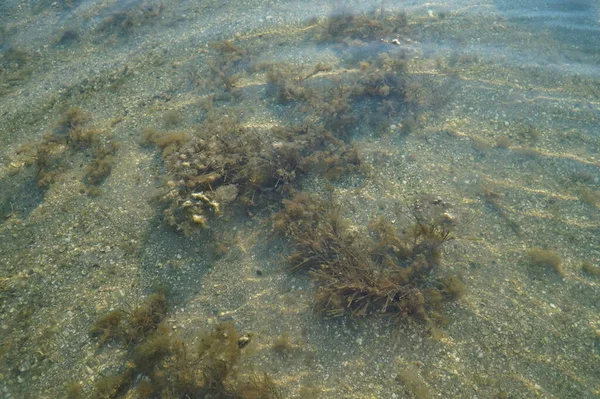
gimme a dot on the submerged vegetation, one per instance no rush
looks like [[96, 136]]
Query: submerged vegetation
[[590, 269], [223, 161], [546, 259], [344, 25], [389, 271], [162, 365], [15, 69], [415, 383], [378, 85], [68, 139], [131, 327], [123, 20]]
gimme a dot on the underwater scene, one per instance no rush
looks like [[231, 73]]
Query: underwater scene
[[299, 199]]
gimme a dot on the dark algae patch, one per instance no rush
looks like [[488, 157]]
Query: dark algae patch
[[389, 271], [344, 24], [15, 69], [162, 365], [546, 259], [65, 143], [131, 326], [591, 269], [221, 162]]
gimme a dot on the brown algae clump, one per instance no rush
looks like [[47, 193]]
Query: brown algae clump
[[162, 365], [222, 162], [388, 271], [590, 269], [546, 258], [343, 25], [71, 136]]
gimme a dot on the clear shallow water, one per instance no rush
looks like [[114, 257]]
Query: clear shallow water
[[497, 118]]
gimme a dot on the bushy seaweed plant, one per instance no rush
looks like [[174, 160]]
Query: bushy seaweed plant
[[590, 269], [288, 81], [162, 365], [100, 167], [393, 272], [223, 162], [124, 21], [343, 24], [545, 258], [378, 90], [130, 326], [72, 118], [226, 66], [70, 136]]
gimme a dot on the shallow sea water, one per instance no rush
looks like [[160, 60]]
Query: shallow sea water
[[496, 119]]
